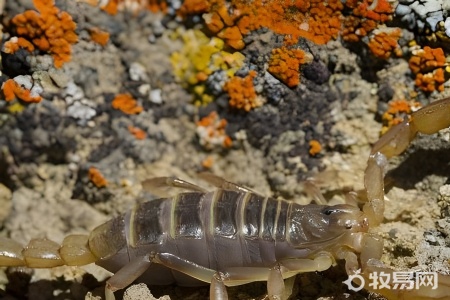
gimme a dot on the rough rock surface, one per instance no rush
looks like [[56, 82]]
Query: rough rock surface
[[47, 150]]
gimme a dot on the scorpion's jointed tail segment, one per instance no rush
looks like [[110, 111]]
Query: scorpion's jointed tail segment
[[44, 253], [232, 236]]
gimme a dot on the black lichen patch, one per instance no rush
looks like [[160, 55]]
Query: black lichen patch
[[40, 133], [317, 72], [15, 64]]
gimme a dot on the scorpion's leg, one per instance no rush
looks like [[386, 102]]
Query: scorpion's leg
[[222, 183], [373, 182], [156, 185], [241, 275], [125, 276], [370, 247], [217, 289], [428, 120], [187, 267], [314, 192], [275, 276]]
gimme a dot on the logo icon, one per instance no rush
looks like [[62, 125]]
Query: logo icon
[[353, 286]]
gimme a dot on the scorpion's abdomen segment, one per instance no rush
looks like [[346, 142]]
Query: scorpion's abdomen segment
[[108, 238], [209, 229], [219, 230]]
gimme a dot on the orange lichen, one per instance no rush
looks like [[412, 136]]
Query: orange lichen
[[214, 22], [242, 92], [223, 25], [99, 36], [127, 104], [397, 111], [323, 20], [12, 90], [211, 131], [355, 28], [135, 6], [377, 10], [111, 7], [366, 16], [233, 37], [157, 5], [431, 81], [208, 162], [427, 59], [385, 42], [192, 7], [316, 20], [285, 64], [137, 132], [428, 65], [314, 147], [48, 29], [16, 43], [96, 177]]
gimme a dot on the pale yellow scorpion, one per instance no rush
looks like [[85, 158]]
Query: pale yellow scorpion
[[232, 236]]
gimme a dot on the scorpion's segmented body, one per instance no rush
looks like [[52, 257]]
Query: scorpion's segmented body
[[232, 235], [224, 229]]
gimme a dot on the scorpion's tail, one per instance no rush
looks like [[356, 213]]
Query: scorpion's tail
[[44, 253]]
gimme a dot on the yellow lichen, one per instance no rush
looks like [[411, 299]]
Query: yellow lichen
[[200, 57]]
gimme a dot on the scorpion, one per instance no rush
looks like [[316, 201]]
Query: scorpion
[[232, 235]]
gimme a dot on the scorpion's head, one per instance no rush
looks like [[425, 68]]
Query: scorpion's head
[[319, 224]]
